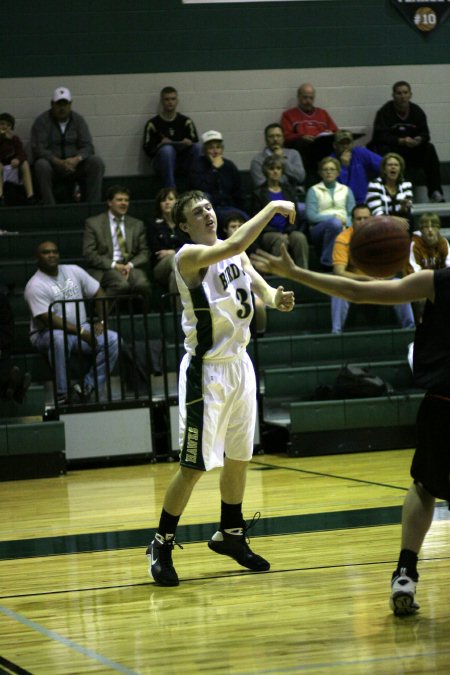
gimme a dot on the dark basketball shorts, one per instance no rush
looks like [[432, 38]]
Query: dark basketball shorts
[[431, 462]]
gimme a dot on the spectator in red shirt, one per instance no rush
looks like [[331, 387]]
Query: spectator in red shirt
[[308, 129]]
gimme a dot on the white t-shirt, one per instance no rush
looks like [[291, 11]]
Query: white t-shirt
[[217, 314], [71, 283]]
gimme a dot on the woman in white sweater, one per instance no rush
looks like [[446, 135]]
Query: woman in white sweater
[[328, 208]]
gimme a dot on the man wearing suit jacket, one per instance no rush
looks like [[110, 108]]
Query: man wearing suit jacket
[[115, 248]]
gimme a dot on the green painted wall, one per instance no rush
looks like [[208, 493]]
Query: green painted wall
[[91, 37]]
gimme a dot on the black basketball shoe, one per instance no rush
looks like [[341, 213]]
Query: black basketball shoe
[[235, 545], [160, 565]]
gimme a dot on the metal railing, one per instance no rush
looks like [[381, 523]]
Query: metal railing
[[134, 381]]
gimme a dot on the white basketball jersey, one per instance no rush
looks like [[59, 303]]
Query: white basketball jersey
[[217, 314]]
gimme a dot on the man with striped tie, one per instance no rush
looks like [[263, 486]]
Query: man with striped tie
[[115, 248]]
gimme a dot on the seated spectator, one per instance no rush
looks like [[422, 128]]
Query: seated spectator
[[308, 129], [54, 282], [14, 166], [170, 139], [259, 322], [328, 209], [165, 239], [279, 230], [63, 151], [390, 194], [358, 165], [343, 266], [429, 251], [218, 178], [116, 250], [13, 383], [293, 169], [402, 127]]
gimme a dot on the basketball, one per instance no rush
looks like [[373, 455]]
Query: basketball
[[380, 246]]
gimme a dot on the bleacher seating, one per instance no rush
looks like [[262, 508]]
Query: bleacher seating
[[292, 343]]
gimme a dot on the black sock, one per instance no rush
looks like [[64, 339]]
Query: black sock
[[408, 559], [230, 516], [167, 524]]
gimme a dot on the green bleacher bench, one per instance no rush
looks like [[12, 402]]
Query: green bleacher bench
[[301, 383], [341, 425], [295, 350], [32, 406], [31, 449], [353, 425]]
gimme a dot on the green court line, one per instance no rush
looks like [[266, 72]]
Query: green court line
[[279, 525]]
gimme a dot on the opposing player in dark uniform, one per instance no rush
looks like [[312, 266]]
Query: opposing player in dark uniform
[[430, 467], [217, 388]]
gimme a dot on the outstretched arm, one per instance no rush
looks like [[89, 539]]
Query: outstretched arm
[[195, 258], [415, 286], [277, 298]]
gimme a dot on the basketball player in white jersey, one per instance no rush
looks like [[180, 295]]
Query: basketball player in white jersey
[[217, 388]]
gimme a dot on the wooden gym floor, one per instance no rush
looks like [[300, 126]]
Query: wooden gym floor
[[75, 596]]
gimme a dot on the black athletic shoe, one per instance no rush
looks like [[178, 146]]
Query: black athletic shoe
[[160, 565], [236, 546]]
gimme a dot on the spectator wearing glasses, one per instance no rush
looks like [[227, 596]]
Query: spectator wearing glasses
[[328, 209]]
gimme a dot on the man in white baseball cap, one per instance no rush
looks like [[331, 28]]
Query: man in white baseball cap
[[63, 151], [219, 178], [62, 94], [211, 136]]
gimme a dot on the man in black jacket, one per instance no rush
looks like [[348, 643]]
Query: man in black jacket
[[170, 139], [401, 126]]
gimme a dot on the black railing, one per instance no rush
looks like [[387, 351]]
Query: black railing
[[132, 366], [132, 385]]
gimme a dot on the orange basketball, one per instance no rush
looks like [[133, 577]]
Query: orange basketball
[[380, 246]]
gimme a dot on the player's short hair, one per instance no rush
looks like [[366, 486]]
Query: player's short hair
[[183, 200]]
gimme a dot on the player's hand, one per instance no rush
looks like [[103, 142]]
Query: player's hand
[[284, 300], [269, 264], [286, 209]]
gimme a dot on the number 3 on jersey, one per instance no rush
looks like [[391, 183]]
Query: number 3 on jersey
[[243, 298]]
